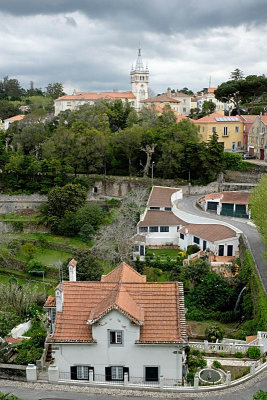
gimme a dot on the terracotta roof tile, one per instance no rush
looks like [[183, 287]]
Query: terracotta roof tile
[[228, 197], [163, 98], [210, 232], [163, 218], [50, 302], [16, 118], [159, 305], [123, 273], [96, 96], [160, 196], [212, 118]]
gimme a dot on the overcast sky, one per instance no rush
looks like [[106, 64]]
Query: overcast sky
[[90, 45]]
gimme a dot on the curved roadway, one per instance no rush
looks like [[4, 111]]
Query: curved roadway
[[188, 204]]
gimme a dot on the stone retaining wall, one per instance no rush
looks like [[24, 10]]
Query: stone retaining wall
[[13, 372]]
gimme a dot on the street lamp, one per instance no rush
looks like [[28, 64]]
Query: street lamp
[[152, 172]]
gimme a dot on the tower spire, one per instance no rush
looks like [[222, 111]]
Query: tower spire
[[139, 62]]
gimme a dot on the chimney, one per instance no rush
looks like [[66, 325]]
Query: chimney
[[115, 90], [169, 92], [59, 297], [72, 270]]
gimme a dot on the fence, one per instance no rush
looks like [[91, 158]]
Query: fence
[[228, 348], [98, 379]]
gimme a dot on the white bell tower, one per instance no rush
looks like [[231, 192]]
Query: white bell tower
[[139, 81]]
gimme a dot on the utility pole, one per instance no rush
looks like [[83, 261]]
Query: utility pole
[[152, 172]]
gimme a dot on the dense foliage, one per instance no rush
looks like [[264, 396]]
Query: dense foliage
[[40, 152], [89, 268], [258, 206]]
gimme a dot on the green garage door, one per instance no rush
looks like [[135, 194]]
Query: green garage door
[[227, 209], [240, 211], [212, 205]]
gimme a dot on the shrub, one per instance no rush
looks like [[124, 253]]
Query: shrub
[[253, 352], [195, 352], [260, 395], [17, 226], [192, 248], [8, 396], [216, 364], [213, 333], [238, 354], [34, 267], [190, 378], [221, 355], [29, 250]]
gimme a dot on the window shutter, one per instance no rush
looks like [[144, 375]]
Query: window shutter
[[108, 373], [73, 373], [91, 369], [126, 369]]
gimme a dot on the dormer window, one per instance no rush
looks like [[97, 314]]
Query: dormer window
[[115, 337]]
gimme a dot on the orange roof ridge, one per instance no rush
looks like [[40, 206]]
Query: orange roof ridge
[[124, 273], [119, 300]]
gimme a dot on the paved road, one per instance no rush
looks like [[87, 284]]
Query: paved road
[[30, 391], [257, 247]]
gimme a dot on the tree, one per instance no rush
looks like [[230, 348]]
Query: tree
[[260, 395], [54, 90], [64, 199], [230, 91], [214, 333], [208, 107], [88, 268], [10, 89], [7, 109], [258, 206], [127, 144], [237, 75], [196, 270], [89, 214]]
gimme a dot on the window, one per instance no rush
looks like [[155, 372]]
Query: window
[[116, 373], [237, 129], [203, 129], [53, 315], [151, 374], [239, 145], [164, 229], [82, 372], [225, 131], [214, 129], [196, 240], [167, 208], [182, 236], [136, 249], [115, 337], [184, 109], [143, 229], [178, 227], [233, 145], [153, 229], [154, 208]]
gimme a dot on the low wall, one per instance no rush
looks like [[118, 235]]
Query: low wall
[[13, 372], [251, 176], [27, 227], [20, 202]]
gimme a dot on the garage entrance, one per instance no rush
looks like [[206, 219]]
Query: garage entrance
[[212, 206], [227, 209]]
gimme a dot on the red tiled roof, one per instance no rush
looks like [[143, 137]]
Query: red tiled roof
[[249, 119], [97, 96], [212, 118], [16, 118], [264, 119], [159, 305], [158, 217], [210, 232], [160, 196], [163, 98], [10, 339], [124, 273], [120, 300], [228, 197], [50, 302]]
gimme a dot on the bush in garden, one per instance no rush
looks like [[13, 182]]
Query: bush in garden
[[238, 354], [190, 378], [216, 364], [192, 248], [35, 266], [253, 352], [213, 333]]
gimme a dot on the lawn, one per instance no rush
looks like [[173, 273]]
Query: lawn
[[172, 253], [46, 256], [198, 327], [69, 241]]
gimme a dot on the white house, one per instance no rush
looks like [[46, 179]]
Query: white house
[[139, 85], [119, 328], [163, 224], [233, 204], [10, 120]]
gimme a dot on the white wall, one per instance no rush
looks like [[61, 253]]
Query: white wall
[[162, 238], [213, 246], [134, 356]]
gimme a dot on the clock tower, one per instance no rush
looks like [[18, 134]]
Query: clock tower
[[139, 81]]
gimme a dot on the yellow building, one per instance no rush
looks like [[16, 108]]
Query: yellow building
[[229, 130]]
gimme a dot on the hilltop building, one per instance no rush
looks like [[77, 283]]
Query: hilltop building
[[139, 82]]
